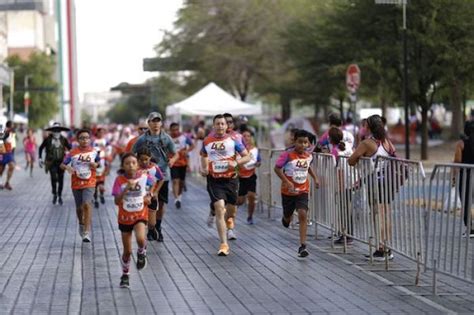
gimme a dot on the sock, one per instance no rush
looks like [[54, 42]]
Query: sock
[[158, 224], [179, 198], [125, 266], [142, 250]]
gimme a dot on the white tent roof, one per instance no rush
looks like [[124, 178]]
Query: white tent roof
[[212, 100]]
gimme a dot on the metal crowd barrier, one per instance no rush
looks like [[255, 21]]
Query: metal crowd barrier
[[264, 173], [448, 247]]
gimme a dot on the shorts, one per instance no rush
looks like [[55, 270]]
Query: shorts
[[223, 189], [6, 158], [83, 196], [178, 172], [247, 184], [153, 206], [127, 228], [163, 194], [31, 155], [292, 203]]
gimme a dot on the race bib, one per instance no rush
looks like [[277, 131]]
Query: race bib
[[300, 176], [220, 166], [83, 171], [133, 203]]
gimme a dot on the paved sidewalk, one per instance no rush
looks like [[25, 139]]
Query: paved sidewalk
[[45, 268]]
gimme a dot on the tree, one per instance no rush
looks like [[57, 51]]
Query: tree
[[40, 69]]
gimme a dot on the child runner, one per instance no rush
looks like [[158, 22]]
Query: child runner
[[84, 160], [29, 144], [247, 176], [132, 197], [293, 167], [102, 146], [145, 165]]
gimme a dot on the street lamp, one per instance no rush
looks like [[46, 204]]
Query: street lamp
[[405, 70]]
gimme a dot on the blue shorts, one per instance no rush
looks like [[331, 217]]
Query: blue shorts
[[6, 158]]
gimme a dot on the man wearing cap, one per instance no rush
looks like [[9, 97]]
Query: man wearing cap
[[56, 146], [164, 155]]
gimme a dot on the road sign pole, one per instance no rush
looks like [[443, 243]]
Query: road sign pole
[[405, 85]]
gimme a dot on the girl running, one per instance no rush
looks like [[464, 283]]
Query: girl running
[[29, 143], [132, 198]]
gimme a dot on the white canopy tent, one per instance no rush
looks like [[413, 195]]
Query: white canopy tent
[[209, 101]]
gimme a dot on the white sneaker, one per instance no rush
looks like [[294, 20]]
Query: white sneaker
[[81, 230], [471, 235], [210, 220], [86, 238], [231, 235]]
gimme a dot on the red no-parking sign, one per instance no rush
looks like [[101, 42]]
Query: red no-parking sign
[[353, 78]]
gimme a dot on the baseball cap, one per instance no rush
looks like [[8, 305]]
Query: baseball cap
[[154, 115]]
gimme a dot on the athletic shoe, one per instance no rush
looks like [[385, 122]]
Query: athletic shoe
[[231, 235], [102, 200], [340, 240], [223, 250], [250, 221], [230, 223], [379, 255], [210, 220], [7, 186], [177, 204], [55, 198], [86, 238], [124, 281], [96, 204], [81, 230], [141, 261], [152, 234], [285, 224], [471, 235], [60, 201], [160, 236], [302, 251]]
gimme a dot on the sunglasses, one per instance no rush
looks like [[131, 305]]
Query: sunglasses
[[83, 138]]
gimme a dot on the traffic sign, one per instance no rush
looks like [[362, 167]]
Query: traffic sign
[[353, 78]]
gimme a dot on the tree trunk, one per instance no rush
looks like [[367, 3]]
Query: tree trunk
[[383, 104], [456, 107], [285, 101], [341, 107], [424, 132]]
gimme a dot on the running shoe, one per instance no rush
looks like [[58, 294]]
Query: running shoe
[[230, 223], [7, 186], [223, 250], [210, 220], [284, 223], [250, 221], [81, 230], [60, 201], [160, 236], [124, 281], [378, 255], [96, 203], [102, 200], [177, 204], [302, 251], [86, 238], [152, 235], [340, 240], [141, 261], [55, 199], [231, 235], [471, 235]]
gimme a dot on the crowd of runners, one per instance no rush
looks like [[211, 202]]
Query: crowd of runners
[[154, 161]]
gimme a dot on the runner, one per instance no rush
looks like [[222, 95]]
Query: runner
[[141, 129], [218, 163], [145, 165], [161, 147], [132, 195], [7, 159], [29, 145], [293, 167], [183, 146], [84, 161], [247, 176], [105, 150], [56, 147]]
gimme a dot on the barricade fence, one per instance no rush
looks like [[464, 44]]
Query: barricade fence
[[389, 204]]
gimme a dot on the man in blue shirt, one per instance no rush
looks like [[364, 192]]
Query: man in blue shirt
[[164, 155]]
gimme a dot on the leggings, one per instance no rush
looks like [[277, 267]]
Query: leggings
[[57, 179]]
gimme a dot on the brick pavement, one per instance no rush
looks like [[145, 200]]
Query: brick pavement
[[45, 268]]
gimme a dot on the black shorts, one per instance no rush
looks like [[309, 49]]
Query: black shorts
[[178, 172], [223, 189], [163, 194], [247, 184], [127, 228], [292, 203], [153, 206]]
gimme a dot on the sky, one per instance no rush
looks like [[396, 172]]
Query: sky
[[113, 37]]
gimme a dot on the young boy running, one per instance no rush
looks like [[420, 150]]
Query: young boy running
[[83, 161], [132, 195], [293, 167]]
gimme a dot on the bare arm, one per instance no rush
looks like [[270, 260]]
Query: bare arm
[[314, 176], [204, 166], [458, 151], [245, 157], [358, 153], [283, 178]]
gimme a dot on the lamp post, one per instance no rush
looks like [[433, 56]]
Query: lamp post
[[26, 98], [405, 70]]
